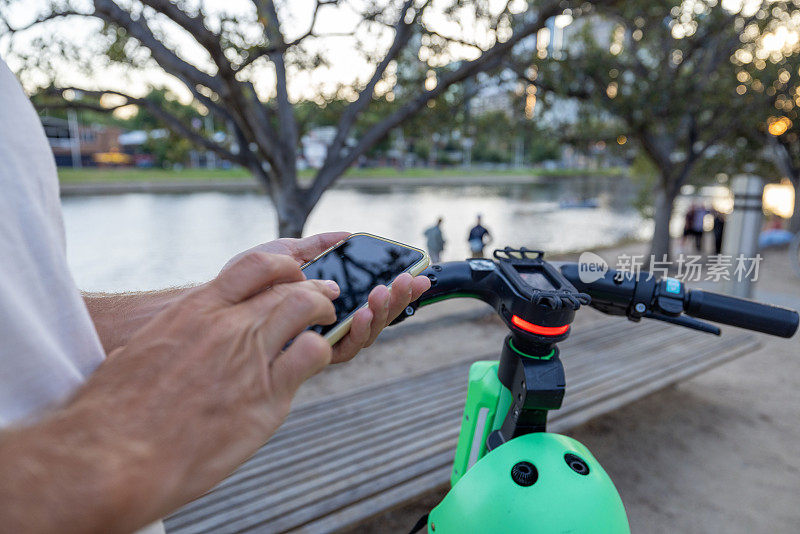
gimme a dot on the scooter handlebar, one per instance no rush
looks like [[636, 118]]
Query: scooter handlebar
[[639, 296]]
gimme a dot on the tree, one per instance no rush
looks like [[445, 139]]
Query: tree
[[239, 48], [770, 72], [664, 71]]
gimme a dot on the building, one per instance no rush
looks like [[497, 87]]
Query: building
[[315, 145], [94, 145]]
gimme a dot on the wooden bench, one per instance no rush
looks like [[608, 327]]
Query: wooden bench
[[338, 462]]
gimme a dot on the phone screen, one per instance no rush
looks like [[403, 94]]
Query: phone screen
[[359, 264]]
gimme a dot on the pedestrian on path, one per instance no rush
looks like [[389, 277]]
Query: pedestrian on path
[[435, 241]]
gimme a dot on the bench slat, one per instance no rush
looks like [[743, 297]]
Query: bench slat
[[380, 477], [354, 513], [292, 482], [580, 412]]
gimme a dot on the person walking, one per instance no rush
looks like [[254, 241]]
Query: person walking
[[687, 227], [479, 237], [435, 241], [698, 216], [719, 228]]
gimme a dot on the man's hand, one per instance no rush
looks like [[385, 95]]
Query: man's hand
[[192, 395], [117, 317], [384, 304]]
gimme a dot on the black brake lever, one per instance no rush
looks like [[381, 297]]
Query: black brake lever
[[409, 310], [688, 322]]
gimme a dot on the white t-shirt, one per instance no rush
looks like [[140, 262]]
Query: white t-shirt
[[48, 344]]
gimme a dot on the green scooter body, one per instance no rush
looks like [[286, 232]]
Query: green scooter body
[[485, 498], [483, 403]]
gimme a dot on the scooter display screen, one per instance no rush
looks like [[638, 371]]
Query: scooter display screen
[[536, 279], [359, 264]]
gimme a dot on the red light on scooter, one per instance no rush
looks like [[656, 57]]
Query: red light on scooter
[[538, 330]]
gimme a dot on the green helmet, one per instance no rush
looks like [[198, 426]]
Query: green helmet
[[534, 483]]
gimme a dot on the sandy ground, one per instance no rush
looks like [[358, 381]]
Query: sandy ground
[[717, 453]]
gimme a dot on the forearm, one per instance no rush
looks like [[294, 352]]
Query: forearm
[[117, 316], [72, 473]]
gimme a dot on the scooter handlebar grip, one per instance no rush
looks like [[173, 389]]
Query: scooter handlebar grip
[[743, 313]]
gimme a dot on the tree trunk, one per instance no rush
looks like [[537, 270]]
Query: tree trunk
[[290, 202], [292, 213], [788, 165], [661, 243]]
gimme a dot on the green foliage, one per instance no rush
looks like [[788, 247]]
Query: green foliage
[[497, 135], [117, 43]]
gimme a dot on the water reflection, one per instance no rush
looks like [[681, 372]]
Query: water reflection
[[142, 241]]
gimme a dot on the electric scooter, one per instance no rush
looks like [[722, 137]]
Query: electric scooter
[[509, 473]]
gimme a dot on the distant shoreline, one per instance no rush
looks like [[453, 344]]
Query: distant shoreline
[[248, 185]]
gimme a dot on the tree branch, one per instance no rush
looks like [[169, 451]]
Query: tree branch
[[194, 25], [455, 40], [785, 164], [243, 106], [170, 120], [288, 124], [44, 18], [88, 106], [190, 75], [262, 51], [403, 32], [581, 94]]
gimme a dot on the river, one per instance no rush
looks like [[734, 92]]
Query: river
[[146, 241]]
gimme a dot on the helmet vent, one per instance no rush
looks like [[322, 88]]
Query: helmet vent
[[576, 464], [524, 474]]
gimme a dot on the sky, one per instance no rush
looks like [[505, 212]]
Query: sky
[[346, 64]]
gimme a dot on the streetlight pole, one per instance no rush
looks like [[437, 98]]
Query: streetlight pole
[[74, 138], [741, 231], [211, 161]]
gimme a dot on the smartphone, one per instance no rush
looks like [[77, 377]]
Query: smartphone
[[358, 264]]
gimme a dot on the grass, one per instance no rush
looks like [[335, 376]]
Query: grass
[[94, 174], [109, 174]]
